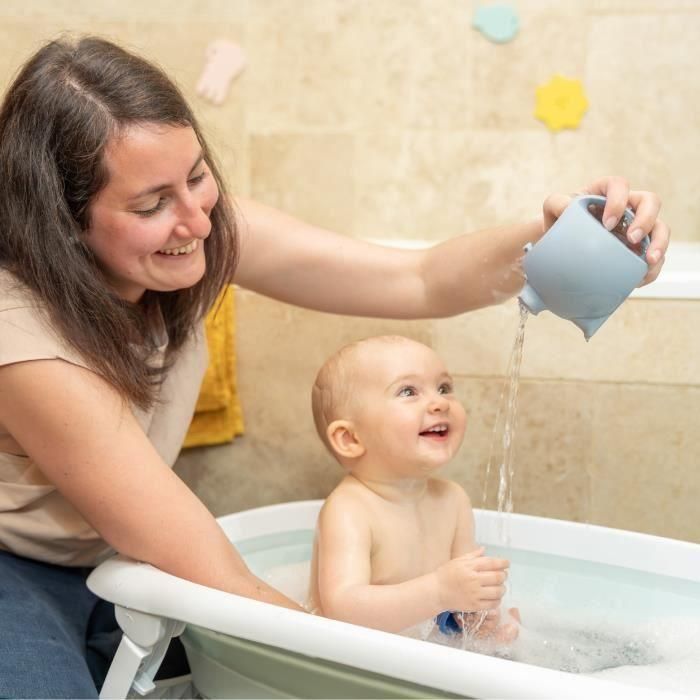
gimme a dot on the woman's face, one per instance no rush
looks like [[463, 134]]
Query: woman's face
[[148, 225]]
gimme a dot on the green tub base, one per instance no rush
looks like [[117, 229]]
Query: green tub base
[[229, 667]]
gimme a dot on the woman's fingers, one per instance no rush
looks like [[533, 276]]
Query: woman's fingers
[[616, 191], [659, 235], [646, 206], [553, 208]]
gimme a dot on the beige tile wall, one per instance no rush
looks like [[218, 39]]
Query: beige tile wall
[[395, 119]]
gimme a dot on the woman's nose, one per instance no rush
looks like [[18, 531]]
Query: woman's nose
[[194, 218]]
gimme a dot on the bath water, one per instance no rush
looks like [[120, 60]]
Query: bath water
[[578, 616]]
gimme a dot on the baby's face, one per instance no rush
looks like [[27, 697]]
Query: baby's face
[[407, 414]]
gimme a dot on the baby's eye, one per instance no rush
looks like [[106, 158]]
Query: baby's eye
[[445, 388], [407, 391]]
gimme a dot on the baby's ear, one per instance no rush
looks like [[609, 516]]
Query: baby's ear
[[344, 440]]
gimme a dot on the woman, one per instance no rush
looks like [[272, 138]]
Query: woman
[[117, 236]]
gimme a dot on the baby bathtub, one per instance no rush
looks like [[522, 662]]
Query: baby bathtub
[[243, 648]]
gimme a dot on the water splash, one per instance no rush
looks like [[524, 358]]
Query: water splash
[[507, 407]]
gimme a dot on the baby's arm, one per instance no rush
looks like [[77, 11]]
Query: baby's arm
[[464, 538], [464, 541], [346, 592]]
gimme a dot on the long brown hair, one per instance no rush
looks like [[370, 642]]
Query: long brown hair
[[57, 117]]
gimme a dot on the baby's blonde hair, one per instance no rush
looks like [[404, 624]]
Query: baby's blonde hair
[[332, 393]]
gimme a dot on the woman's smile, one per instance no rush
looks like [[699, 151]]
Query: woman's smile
[[179, 250]]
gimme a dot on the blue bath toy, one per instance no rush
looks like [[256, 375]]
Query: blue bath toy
[[498, 23], [447, 623], [579, 270]]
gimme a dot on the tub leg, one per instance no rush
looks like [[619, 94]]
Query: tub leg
[[140, 653]]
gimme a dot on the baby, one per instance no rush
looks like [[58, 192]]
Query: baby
[[395, 544]]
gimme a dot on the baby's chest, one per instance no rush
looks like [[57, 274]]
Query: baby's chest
[[402, 553]]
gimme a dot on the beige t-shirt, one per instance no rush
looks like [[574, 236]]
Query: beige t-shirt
[[36, 521]]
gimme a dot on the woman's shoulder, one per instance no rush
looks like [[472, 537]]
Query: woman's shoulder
[[26, 332], [14, 294]]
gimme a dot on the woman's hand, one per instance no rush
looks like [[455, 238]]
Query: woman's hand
[[645, 205]]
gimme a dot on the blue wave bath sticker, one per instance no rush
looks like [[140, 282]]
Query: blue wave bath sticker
[[498, 23]]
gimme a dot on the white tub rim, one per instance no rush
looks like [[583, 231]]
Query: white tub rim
[[141, 587]]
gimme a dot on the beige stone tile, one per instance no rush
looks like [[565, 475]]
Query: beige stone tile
[[644, 341], [416, 60], [551, 449], [343, 63], [645, 447], [551, 40], [437, 184], [309, 175], [304, 65], [480, 343], [19, 41], [655, 7], [643, 109], [161, 11]]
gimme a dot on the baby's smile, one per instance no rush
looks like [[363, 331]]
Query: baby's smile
[[439, 431]]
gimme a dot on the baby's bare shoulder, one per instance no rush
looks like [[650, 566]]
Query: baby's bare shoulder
[[449, 491], [347, 497]]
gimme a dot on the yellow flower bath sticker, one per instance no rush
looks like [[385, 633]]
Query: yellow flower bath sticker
[[561, 103]]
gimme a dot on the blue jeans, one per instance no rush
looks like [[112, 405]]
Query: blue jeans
[[57, 639]]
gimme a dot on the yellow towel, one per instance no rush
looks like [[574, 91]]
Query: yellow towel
[[218, 417]]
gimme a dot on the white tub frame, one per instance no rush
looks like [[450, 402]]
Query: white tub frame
[[152, 607]]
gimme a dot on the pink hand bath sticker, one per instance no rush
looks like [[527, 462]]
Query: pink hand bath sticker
[[225, 60]]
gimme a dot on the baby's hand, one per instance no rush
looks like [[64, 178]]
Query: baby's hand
[[491, 628], [472, 582]]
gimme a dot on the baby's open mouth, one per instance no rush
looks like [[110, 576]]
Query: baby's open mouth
[[436, 432]]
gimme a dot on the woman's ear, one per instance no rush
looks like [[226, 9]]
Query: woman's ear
[[344, 440]]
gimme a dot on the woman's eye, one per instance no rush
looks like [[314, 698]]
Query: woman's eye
[[152, 211], [197, 178], [407, 391], [445, 388]]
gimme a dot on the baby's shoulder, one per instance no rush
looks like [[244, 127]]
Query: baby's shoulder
[[345, 504], [447, 490], [348, 494]]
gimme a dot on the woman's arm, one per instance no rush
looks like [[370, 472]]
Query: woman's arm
[[287, 259], [295, 262], [88, 444]]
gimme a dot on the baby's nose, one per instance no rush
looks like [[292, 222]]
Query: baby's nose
[[439, 403]]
